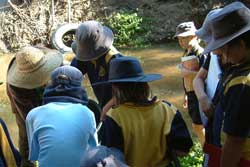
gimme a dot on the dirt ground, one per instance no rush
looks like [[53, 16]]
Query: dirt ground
[[161, 59]]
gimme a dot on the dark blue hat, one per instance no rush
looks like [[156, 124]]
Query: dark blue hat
[[67, 75], [65, 86], [128, 69], [100, 153]]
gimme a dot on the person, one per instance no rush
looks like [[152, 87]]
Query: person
[[185, 32], [205, 84], [145, 129], [62, 129], [94, 49], [233, 43], [102, 156], [204, 97], [27, 74], [9, 155]]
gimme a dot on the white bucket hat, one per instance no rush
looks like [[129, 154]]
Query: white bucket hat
[[32, 67], [185, 29]]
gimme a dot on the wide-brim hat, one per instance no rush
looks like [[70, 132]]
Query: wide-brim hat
[[92, 40], [127, 69], [32, 67], [232, 21], [185, 29], [204, 33]]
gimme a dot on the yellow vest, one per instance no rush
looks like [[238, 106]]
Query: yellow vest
[[145, 129]]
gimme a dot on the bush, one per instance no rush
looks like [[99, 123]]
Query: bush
[[194, 158], [129, 28]]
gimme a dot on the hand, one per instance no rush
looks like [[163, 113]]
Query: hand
[[206, 106]]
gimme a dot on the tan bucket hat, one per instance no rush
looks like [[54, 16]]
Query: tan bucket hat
[[32, 67]]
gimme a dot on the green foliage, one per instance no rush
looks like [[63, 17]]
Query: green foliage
[[129, 28], [194, 158]]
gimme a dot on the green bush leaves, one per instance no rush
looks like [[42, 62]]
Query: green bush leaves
[[129, 28]]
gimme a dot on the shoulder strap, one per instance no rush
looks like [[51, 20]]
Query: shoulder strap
[[170, 105], [244, 80], [111, 53]]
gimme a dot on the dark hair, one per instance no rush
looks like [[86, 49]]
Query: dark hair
[[245, 37], [135, 92]]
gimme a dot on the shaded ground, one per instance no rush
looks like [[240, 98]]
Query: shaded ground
[[161, 59]]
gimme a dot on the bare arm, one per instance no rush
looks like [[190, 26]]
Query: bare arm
[[231, 151], [199, 88], [107, 107]]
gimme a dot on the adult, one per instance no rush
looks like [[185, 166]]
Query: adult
[[232, 41], [27, 74], [145, 129], [62, 129]]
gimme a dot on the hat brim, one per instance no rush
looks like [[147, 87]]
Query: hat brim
[[105, 41], [36, 78], [203, 35], [185, 34], [143, 78], [217, 43]]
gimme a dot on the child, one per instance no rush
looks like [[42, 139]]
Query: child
[[27, 74], [62, 129], [185, 32], [94, 49], [9, 155], [230, 35], [145, 130]]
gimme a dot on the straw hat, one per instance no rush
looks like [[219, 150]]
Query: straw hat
[[185, 29], [231, 22], [32, 67], [92, 40]]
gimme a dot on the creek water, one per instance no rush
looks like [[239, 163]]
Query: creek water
[[161, 59]]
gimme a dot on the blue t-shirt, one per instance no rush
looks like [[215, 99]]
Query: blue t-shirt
[[59, 133]]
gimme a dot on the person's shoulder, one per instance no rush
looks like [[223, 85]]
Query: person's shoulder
[[35, 112], [239, 82], [114, 111], [169, 106]]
